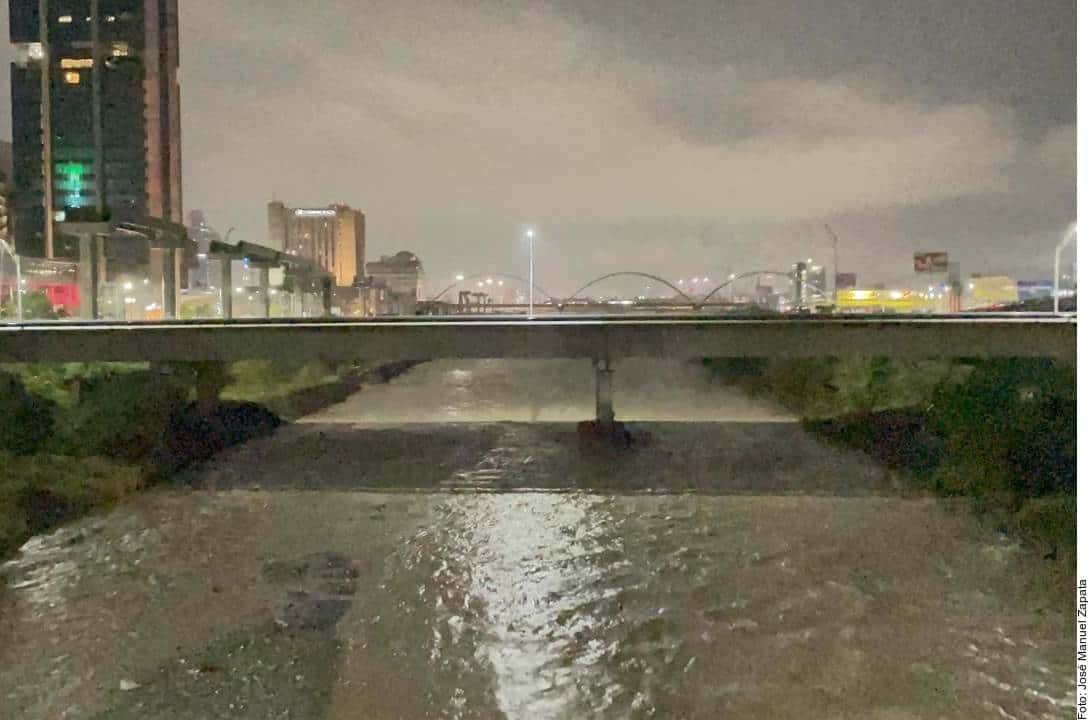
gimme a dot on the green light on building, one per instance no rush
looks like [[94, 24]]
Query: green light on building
[[73, 174]]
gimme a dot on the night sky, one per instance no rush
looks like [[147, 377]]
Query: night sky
[[682, 138]]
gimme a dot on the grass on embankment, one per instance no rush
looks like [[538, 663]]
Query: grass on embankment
[[78, 437], [1002, 433]]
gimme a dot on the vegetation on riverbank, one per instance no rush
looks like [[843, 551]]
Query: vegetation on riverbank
[[1000, 432], [77, 437]]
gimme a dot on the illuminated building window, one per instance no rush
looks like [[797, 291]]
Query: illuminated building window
[[65, 19], [119, 49], [111, 18], [72, 78], [76, 63], [35, 51]]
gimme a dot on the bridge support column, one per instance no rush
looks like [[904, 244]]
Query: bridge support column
[[209, 379], [604, 395], [227, 289], [90, 272], [327, 297], [165, 268], [263, 282], [605, 428], [798, 285]]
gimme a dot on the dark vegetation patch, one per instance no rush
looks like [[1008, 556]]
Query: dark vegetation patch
[[76, 437], [1000, 432]]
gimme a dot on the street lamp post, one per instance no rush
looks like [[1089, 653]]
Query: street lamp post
[[1070, 236], [834, 241], [17, 295], [531, 289]]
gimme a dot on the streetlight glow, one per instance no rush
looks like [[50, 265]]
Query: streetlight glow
[[531, 277]]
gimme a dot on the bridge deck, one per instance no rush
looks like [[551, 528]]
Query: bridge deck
[[912, 337]]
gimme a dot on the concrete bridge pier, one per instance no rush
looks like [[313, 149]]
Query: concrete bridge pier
[[90, 274], [605, 427], [227, 289], [267, 298], [327, 296], [604, 395], [209, 379]]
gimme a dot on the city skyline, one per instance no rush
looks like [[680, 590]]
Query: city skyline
[[634, 138]]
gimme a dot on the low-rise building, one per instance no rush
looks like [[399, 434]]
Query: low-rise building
[[987, 292], [401, 277]]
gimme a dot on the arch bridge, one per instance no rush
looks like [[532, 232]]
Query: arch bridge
[[688, 300]]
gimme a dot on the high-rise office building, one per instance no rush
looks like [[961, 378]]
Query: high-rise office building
[[112, 116], [332, 237]]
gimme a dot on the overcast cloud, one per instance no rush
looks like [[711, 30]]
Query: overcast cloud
[[682, 138]]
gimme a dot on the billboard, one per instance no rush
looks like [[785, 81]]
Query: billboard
[[927, 262], [846, 280]]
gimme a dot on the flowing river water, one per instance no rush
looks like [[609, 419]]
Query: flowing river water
[[447, 546]]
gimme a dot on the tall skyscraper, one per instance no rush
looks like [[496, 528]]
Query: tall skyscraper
[[112, 116], [332, 237]]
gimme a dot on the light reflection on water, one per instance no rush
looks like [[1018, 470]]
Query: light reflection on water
[[551, 605], [535, 562]]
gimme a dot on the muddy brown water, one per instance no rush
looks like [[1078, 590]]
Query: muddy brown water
[[373, 563]]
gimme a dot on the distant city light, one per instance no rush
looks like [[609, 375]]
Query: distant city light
[[489, 281], [128, 286]]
